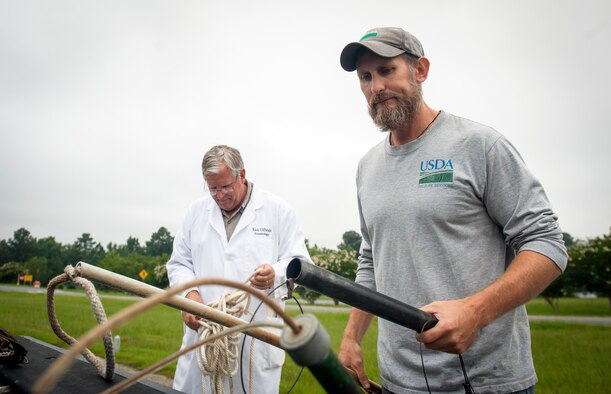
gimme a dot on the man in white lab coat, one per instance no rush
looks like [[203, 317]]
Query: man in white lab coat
[[229, 234]]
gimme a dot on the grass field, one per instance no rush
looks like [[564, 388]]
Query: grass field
[[569, 358], [538, 306], [571, 307]]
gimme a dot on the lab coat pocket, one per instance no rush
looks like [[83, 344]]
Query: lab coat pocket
[[274, 355], [262, 250]]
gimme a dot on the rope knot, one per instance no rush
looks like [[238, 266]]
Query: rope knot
[[71, 272]]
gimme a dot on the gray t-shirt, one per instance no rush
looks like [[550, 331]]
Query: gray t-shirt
[[441, 218]]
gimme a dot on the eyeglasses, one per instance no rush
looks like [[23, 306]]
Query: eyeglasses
[[223, 189]]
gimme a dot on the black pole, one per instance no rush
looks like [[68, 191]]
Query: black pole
[[358, 296]]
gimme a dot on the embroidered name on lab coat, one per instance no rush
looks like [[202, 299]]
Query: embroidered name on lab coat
[[262, 231]]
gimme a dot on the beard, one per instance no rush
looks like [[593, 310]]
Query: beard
[[388, 117]]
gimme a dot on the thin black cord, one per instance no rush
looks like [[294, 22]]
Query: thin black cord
[[301, 370], [422, 329], [252, 339], [467, 384]]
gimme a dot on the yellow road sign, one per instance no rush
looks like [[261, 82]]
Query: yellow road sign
[[143, 274]]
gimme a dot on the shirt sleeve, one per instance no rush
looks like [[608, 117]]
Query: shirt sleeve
[[365, 274], [180, 266], [291, 245], [516, 201]]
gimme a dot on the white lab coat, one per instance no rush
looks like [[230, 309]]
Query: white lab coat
[[267, 232]]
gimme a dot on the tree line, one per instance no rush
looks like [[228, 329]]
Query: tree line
[[45, 258], [588, 270]]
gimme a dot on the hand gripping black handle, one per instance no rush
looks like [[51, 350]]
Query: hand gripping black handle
[[358, 296]]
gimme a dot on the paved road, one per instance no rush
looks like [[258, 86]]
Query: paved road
[[320, 306]]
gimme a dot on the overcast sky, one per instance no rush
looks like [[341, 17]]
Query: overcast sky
[[107, 107]]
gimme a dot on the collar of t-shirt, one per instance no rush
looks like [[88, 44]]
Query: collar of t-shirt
[[231, 220]]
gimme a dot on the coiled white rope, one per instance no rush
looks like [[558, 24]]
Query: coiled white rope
[[218, 359], [48, 380]]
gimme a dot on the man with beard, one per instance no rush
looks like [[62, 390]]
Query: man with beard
[[452, 222]]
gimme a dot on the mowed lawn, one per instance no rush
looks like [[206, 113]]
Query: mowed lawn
[[569, 358]]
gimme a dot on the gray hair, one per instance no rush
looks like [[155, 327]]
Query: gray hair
[[219, 155], [411, 64]]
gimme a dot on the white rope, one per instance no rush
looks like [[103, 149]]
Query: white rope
[[251, 380], [173, 357], [51, 376], [218, 359], [70, 274]]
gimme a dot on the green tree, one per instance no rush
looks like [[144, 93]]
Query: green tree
[[131, 265], [132, 246], [112, 247], [84, 249], [592, 265], [160, 276], [568, 240], [9, 271], [351, 241], [309, 295], [316, 250], [22, 246], [5, 252], [564, 285], [341, 262], [37, 267], [52, 250], [160, 243], [122, 265]]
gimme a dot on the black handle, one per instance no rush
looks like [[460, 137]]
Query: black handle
[[353, 294]]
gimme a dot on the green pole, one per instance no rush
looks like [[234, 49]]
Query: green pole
[[311, 347]]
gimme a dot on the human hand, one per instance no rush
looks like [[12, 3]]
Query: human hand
[[351, 356], [264, 279], [458, 326], [190, 320]]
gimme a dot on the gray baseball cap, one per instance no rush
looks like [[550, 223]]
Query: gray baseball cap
[[384, 41]]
